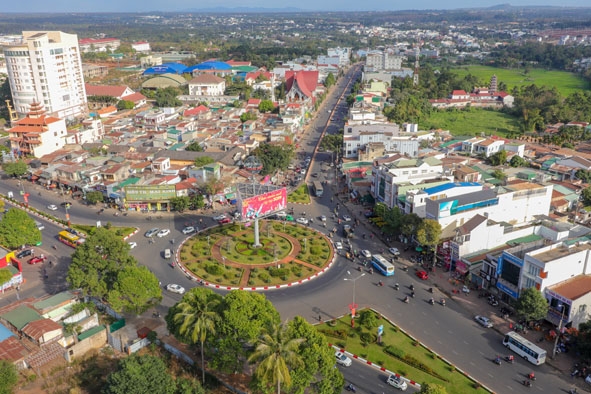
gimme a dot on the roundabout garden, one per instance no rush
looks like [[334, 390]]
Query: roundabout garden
[[225, 255]]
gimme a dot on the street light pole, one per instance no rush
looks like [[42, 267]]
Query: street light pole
[[559, 330], [353, 306]]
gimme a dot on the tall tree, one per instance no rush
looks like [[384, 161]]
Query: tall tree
[[8, 377], [180, 203], [97, 262], [140, 375], [136, 290], [16, 169], [531, 304], [17, 228], [429, 234], [274, 156], [197, 315], [276, 353]]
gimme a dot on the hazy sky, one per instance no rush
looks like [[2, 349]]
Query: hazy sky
[[312, 5]]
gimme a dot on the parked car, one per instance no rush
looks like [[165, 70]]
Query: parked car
[[366, 253], [483, 321], [173, 288], [342, 359], [224, 221], [150, 233], [37, 259], [422, 274], [52, 207], [394, 251], [163, 233], [132, 245], [188, 230], [24, 253], [219, 217], [302, 220], [397, 382]]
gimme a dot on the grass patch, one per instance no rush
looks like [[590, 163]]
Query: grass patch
[[300, 195], [565, 82], [89, 230], [396, 353], [472, 121], [272, 276]]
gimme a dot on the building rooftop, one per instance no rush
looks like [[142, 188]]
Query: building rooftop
[[21, 316], [573, 288], [560, 252]]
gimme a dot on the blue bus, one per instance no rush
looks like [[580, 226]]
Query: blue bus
[[382, 265]]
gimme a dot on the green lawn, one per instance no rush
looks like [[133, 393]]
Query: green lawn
[[471, 121], [300, 195], [420, 365], [89, 230], [565, 82]]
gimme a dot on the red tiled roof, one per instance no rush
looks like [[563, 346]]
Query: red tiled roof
[[105, 90], [85, 41], [135, 97], [307, 81], [107, 110], [37, 328], [196, 111], [459, 93], [236, 63], [253, 101]]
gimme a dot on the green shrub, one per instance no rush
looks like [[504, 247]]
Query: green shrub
[[368, 337], [278, 272], [214, 269], [296, 269], [315, 250], [368, 319], [263, 276]]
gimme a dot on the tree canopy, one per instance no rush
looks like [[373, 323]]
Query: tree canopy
[[274, 156], [202, 161], [17, 228], [531, 304], [329, 80], [194, 147], [94, 197], [432, 388], [139, 375], [167, 97], [16, 169], [180, 203], [8, 377], [266, 106], [332, 142], [102, 267]]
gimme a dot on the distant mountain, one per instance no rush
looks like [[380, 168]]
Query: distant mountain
[[235, 10]]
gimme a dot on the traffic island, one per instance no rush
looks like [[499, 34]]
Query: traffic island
[[224, 256]]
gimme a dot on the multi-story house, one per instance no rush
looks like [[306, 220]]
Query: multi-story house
[[207, 85], [46, 67], [356, 137], [99, 44]]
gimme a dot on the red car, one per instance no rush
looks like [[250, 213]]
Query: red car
[[37, 259], [422, 275], [224, 221]]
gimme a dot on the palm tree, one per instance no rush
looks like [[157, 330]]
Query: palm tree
[[276, 351], [197, 315]]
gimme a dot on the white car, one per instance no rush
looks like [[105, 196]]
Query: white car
[[175, 288], [338, 245], [163, 233], [303, 171], [394, 251], [188, 230], [366, 253], [483, 321], [342, 359], [347, 218], [219, 217], [151, 232], [302, 220], [52, 207], [397, 382], [132, 244], [323, 218]]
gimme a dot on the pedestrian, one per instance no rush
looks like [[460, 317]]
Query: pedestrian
[[319, 318]]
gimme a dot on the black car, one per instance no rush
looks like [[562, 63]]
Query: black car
[[24, 253]]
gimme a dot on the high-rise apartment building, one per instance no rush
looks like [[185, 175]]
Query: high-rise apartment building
[[45, 67]]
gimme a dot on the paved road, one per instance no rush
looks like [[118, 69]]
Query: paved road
[[448, 331]]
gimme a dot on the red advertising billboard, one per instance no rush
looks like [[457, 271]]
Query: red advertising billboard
[[264, 204]]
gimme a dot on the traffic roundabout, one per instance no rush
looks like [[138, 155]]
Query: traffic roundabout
[[224, 256]]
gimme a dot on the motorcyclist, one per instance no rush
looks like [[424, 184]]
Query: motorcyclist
[[431, 301], [406, 299], [510, 358], [412, 294], [380, 283], [396, 286], [443, 301], [412, 287], [531, 376]]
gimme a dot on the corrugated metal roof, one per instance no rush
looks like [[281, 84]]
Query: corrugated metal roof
[[54, 300], [90, 332], [21, 316]]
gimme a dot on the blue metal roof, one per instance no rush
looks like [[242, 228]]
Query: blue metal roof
[[172, 68], [448, 186], [5, 333], [210, 65]]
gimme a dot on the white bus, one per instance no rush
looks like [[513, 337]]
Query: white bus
[[382, 265], [532, 353]]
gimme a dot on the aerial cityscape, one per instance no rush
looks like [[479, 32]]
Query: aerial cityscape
[[295, 197]]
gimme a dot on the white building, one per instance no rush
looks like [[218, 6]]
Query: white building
[[46, 67], [207, 85], [388, 174], [356, 137], [37, 134], [141, 46], [416, 200], [344, 55], [378, 60], [515, 203]]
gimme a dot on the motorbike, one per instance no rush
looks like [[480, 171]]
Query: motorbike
[[380, 284], [156, 314], [359, 269], [432, 301], [509, 359], [527, 383], [497, 361], [430, 290], [352, 388], [370, 271], [396, 286], [412, 288], [442, 302], [54, 247], [406, 299], [572, 391], [531, 376], [412, 294]]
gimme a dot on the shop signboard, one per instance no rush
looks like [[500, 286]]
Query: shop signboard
[[263, 204], [150, 192]]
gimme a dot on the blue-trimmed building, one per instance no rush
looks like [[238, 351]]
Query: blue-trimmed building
[[166, 68]]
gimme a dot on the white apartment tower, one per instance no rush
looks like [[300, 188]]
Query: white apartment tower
[[45, 67]]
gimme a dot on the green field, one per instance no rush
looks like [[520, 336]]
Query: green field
[[565, 82], [473, 121]]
